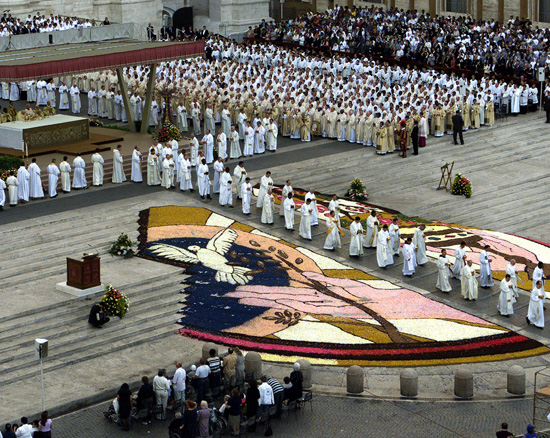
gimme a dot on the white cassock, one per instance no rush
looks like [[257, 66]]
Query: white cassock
[[506, 298], [535, 312], [335, 207], [35, 183], [333, 235], [234, 145], [13, 184], [136, 167], [266, 183], [356, 239], [23, 177], [259, 140], [75, 99], [185, 173], [395, 240], [2, 193], [284, 195], [182, 118], [248, 142], [246, 194], [468, 284], [222, 146], [118, 167], [92, 103], [459, 262], [153, 173], [193, 151], [409, 259], [226, 123], [271, 136], [63, 97], [167, 173], [53, 177], [267, 209], [383, 253], [511, 270], [486, 276], [175, 154], [314, 214], [226, 189], [218, 170], [97, 167], [79, 179], [443, 273], [288, 206], [420, 245], [208, 148], [203, 180], [305, 221], [372, 232], [65, 169]]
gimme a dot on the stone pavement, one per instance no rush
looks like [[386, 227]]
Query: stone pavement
[[343, 417]]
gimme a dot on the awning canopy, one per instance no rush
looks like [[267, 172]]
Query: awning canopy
[[61, 60]]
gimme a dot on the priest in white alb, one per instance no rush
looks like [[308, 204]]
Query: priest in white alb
[[506, 298], [287, 189], [226, 188], [23, 177], [266, 183], [221, 142], [234, 144], [35, 183], [65, 169], [420, 245], [409, 258], [460, 252], [218, 170], [203, 180], [208, 142], [53, 177], [97, 169], [512, 270], [535, 312], [289, 207], [153, 172], [314, 218], [356, 238], [305, 222], [136, 166], [12, 183], [333, 233], [185, 173], [486, 276], [395, 238], [271, 136], [239, 177], [118, 166], [443, 272], [468, 284], [384, 256], [267, 208], [79, 179], [334, 205], [168, 169], [245, 189], [371, 238]]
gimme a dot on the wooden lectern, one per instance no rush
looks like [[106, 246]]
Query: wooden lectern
[[85, 273]]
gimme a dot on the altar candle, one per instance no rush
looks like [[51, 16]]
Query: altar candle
[[26, 150]]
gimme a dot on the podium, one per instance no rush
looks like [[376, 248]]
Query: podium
[[83, 276]]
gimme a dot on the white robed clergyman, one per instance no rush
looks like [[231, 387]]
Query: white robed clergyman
[[239, 177], [246, 195], [79, 179], [538, 275], [226, 188], [208, 142], [12, 184], [267, 208], [287, 188], [334, 205], [2, 193], [305, 221], [35, 183], [289, 207], [234, 144], [271, 135], [468, 284], [222, 145], [266, 183], [372, 231], [420, 245], [75, 99], [383, 253], [512, 270], [65, 169], [153, 173], [168, 169], [248, 142], [486, 276], [203, 179], [118, 167], [314, 218], [395, 238], [185, 173], [409, 258], [535, 312], [136, 166], [356, 237], [97, 168], [193, 149], [460, 252], [23, 177], [173, 148], [53, 177], [506, 298], [218, 170], [443, 272], [333, 233]]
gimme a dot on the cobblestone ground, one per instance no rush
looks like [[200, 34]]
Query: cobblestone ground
[[343, 417]]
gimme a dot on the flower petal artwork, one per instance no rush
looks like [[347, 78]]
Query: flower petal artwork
[[264, 294]]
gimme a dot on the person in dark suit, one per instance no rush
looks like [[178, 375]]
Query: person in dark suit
[[547, 108], [414, 137], [98, 316], [504, 433], [458, 124]]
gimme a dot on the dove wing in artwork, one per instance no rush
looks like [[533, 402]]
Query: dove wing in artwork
[[174, 253], [222, 241]]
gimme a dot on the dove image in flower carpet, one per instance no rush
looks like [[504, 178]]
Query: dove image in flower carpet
[[211, 257]]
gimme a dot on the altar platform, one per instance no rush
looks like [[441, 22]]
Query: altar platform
[[48, 132]]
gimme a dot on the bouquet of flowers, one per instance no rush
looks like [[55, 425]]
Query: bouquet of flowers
[[168, 131], [357, 190], [461, 186], [4, 175], [95, 122], [123, 247], [115, 302]]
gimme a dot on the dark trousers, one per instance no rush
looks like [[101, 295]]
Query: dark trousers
[[202, 388], [455, 132], [547, 116], [415, 145]]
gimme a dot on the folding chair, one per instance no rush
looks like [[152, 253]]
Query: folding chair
[[307, 398]]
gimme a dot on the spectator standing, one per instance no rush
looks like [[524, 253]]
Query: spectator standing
[[266, 397], [233, 408], [414, 137], [124, 397], [458, 124], [178, 383], [25, 430], [44, 426], [203, 417], [146, 396], [278, 395], [201, 375], [530, 432], [504, 432], [161, 386], [8, 433], [239, 368], [215, 365], [190, 420], [229, 364], [252, 397], [297, 379]]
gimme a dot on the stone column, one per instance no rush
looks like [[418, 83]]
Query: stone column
[[355, 380], [253, 364], [516, 380], [149, 99], [125, 99], [206, 349], [409, 382], [464, 383]]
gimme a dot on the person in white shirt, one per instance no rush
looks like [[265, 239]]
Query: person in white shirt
[[65, 169], [535, 312], [333, 233], [314, 218], [443, 266], [226, 188], [161, 386], [305, 221], [287, 190], [35, 183], [168, 169], [512, 270], [506, 298], [97, 167], [92, 102], [371, 238], [203, 180], [234, 144], [267, 208], [289, 207], [246, 195], [460, 252], [53, 177], [136, 166], [486, 277], [25, 430], [395, 238], [266, 399], [79, 179], [384, 256], [75, 99], [239, 176], [356, 238], [12, 184], [178, 382], [201, 376], [222, 144], [468, 285], [185, 173], [118, 167], [409, 258], [208, 142]]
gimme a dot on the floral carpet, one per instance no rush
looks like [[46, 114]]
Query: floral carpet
[[527, 252], [261, 293]]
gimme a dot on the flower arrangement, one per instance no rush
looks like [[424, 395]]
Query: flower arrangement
[[4, 174], [168, 131], [123, 247], [115, 302], [357, 190], [95, 122], [461, 186]]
